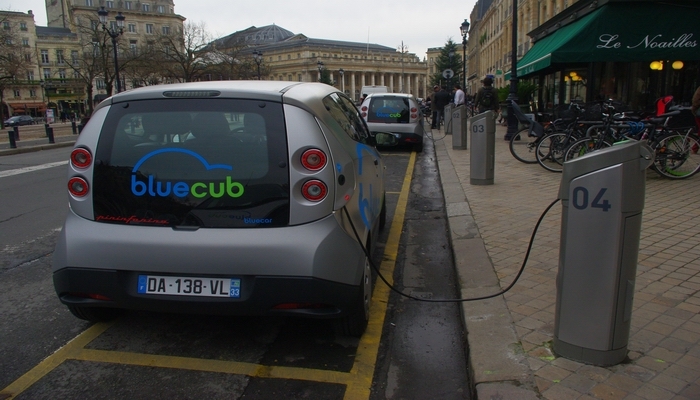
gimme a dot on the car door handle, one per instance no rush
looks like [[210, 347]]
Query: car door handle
[[376, 162]]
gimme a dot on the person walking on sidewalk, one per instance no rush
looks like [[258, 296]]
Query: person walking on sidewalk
[[459, 96], [441, 100], [487, 97]]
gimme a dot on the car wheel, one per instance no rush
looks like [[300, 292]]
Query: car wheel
[[94, 314], [418, 147], [355, 323]]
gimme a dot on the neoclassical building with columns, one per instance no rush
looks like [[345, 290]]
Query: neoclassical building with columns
[[287, 56]]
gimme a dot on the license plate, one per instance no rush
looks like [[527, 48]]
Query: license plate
[[189, 286]]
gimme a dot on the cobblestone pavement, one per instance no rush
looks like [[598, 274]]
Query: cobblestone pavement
[[664, 343]]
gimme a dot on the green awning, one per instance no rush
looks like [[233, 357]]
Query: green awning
[[625, 32]]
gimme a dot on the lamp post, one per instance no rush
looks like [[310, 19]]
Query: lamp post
[[258, 57], [114, 34], [341, 72], [513, 96], [449, 83], [320, 68], [464, 29]]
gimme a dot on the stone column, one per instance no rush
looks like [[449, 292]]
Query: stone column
[[352, 86]]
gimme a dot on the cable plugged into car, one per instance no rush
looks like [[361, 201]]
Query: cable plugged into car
[[522, 267]]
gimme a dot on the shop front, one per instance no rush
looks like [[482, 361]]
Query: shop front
[[633, 52]]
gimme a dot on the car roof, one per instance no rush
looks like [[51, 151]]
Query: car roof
[[303, 94]]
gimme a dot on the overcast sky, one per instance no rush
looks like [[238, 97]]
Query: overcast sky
[[420, 24]]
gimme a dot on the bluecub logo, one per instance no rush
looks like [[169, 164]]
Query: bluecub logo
[[388, 112], [156, 188]]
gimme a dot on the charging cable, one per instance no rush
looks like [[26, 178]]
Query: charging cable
[[522, 267]]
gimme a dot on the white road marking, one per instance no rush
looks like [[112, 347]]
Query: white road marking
[[4, 174]]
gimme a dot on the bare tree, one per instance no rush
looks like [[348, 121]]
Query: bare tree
[[184, 56], [16, 59]]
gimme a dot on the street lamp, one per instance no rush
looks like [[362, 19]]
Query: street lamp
[[258, 58], [320, 68], [451, 54], [341, 72], [114, 34], [513, 96], [464, 29]]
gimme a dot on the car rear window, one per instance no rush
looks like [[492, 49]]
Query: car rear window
[[215, 163], [389, 109]]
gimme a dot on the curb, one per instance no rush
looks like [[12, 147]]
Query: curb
[[497, 364]]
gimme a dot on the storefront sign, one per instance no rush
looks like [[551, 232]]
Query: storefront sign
[[610, 41]]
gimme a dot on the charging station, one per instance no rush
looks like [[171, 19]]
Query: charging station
[[602, 196], [459, 127], [482, 158]]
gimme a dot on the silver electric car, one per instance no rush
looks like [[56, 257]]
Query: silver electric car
[[231, 197]]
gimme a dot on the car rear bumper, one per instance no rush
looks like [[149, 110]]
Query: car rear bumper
[[260, 295]]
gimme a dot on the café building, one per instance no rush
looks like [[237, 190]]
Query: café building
[[634, 52]]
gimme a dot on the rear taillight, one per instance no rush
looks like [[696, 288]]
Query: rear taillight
[[78, 186], [314, 190], [80, 158], [314, 159]]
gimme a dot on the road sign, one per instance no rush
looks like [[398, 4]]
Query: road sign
[[448, 73]]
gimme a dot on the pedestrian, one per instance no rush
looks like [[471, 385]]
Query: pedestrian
[[362, 99], [433, 106], [459, 96], [487, 97], [441, 100]]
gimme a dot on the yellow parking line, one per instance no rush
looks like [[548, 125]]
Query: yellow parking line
[[358, 381], [54, 360], [366, 357]]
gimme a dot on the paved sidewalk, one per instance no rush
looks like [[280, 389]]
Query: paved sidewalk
[[33, 138], [510, 337]]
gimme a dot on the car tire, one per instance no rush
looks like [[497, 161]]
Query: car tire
[[94, 314], [355, 323], [418, 147]]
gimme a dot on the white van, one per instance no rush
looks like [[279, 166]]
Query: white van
[[374, 89]]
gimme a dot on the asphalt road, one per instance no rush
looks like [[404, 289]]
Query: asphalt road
[[411, 349]]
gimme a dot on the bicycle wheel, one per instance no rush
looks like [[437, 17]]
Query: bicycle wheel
[[523, 147], [584, 146], [551, 150], [676, 156]]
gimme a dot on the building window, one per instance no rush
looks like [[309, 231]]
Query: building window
[[133, 47], [25, 42], [62, 73], [47, 73], [28, 57], [6, 25], [44, 56], [166, 30], [74, 56], [289, 56], [88, 3], [299, 78], [109, 4], [149, 28], [30, 75], [22, 26], [128, 5], [59, 57], [131, 28], [161, 9], [113, 26], [100, 83], [16, 93], [32, 92], [145, 7]]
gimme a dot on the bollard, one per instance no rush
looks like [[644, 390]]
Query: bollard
[[49, 133], [74, 127], [13, 144], [15, 131], [46, 128]]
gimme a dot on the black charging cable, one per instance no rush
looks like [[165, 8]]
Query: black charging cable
[[522, 267]]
